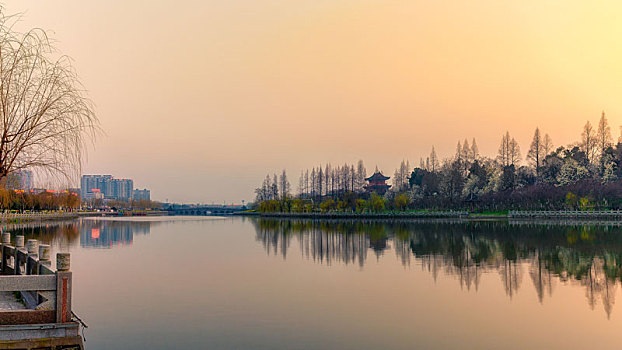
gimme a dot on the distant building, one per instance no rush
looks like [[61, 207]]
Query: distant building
[[142, 195], [20, 180], [106, 186], [96, 194], [89, 183], [377, 183], [122, 189]]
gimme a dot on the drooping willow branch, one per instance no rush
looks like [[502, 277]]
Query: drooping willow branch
[[46, 119]]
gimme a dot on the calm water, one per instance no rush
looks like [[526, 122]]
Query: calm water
[[277, 284]]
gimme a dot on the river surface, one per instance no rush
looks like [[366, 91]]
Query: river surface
[[240, 283]]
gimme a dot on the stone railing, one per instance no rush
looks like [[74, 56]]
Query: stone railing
[[579, 214], [26, 270]]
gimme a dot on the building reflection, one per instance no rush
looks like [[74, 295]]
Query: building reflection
[[576, 254], [89, 233], [108, 233]]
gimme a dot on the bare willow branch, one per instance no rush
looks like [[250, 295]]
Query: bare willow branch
[[46, 118]]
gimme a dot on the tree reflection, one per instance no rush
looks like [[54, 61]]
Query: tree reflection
[[63, 233], [576, 254], [541, 278]]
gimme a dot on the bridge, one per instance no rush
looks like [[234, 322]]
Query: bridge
[[204, 210]]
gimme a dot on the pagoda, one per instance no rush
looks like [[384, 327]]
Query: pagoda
[[377, 183]]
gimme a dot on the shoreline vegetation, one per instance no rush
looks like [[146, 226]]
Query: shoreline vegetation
[[584, 176], [424, 214]]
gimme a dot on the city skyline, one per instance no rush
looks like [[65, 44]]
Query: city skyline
[[381, 82]]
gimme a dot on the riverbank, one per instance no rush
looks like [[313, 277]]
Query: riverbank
[[338, 215], [537, 214], [44, 216], [8, 217]]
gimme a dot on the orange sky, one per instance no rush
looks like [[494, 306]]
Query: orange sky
[[199, 99]]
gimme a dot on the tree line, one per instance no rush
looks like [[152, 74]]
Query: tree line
[[584, 174], [48, 200], [316, 183]]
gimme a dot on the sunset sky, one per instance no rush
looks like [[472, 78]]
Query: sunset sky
[[200, 99]]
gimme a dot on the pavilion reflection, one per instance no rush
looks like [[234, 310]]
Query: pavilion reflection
[[581, 255]]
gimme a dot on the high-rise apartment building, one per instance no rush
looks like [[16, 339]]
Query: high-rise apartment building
[[123, 189], [88, 183], [111, 188], [20, 180], [142, 195]]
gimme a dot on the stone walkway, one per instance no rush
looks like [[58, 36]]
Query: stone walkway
[[9, 302]]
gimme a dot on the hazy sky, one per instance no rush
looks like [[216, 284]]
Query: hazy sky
[[200, 99]]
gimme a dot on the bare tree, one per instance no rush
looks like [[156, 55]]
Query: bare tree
[[263, 193], [459, 152], [274, 188], [474, 151], [361, 173], [536, 151], [320, 179], [589, 142], [514, 152], [46, 118], [509, 151], [466, 156], [400, 179], [306, 182], [603, 135], [434, 162], [504, 150], [327, 171], [313, 177], [466, 151], [333, 180], [301, 184], [345, 170], [352, 178], [547, 145], [284, 186]]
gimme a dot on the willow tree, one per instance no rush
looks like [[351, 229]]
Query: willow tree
[[46, 119]]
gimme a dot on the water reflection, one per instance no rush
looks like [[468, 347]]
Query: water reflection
[[107, 234], [89, 233], [58, 233], [575, 254]]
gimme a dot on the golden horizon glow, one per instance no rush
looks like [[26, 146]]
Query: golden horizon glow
[[214, 94]]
